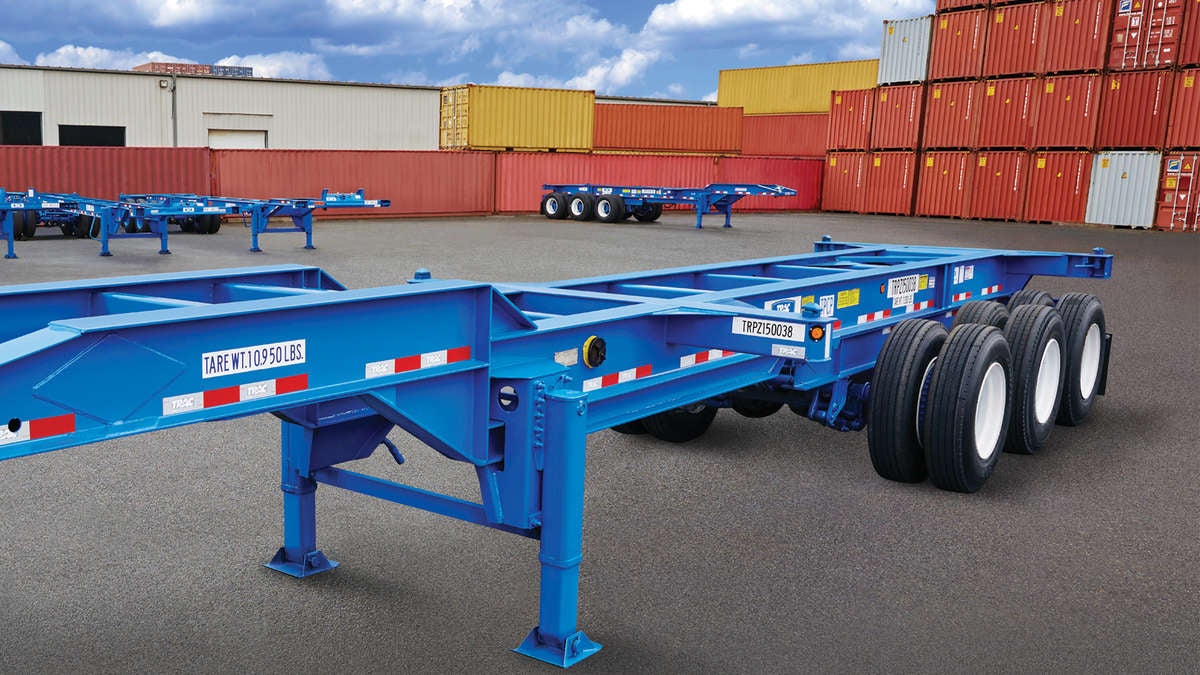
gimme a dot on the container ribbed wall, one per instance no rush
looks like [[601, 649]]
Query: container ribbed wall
[[891, 180], [104, 173], [1068, 111], [800, 135], [1189, 49], [958, 45], [999, 185], [478, 117], [944, 183], [1124, 187], [1076, 35], [1179, 195], [1007, 110], [904, 54], [668, 128], [1184, 131], [1134, 109], [1058, 187], [951, 115], [850, 115], [1014, 40], [845, 186], [792, 89], [898, 113]]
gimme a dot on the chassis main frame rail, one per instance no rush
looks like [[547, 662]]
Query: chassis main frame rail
[[150, 215], [719, 197], [507, 378]]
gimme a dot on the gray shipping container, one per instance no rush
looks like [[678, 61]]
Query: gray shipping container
[[904, 56], [1124, 188]]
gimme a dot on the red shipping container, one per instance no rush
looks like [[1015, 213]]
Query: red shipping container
[[520, 175], [1076, 35], [1068, 111], [845, 186], [891, 178], [1184, 128], [898, 111], [1014, 39], [785, 135], [1146, 34], [418, 183], [958, 40], [103, 172], [1134, 108], [850, 115], [1058, 187], [944, 184], [801, 174], [1189, 45], [943, 5], [1006, 113], [668, 128], [1179, 196], [951, 115], [999, 186]]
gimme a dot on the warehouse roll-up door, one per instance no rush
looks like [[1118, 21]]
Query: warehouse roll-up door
[[237, 139]]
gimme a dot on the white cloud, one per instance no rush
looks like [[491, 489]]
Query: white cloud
[[710, 96], [805, 57], [74, 56], [613, 73], [163, 13], [675, 89], [10, 55], [511, 79], [291, 65], [858, 50], [749, 50], [812, 17]]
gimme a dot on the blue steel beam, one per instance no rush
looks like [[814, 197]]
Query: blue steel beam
[[495, 376], [719, 197]]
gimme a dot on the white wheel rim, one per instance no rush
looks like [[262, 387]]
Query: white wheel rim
[[1089, 362], [1045, 390], [577, 207], [552, 206], [989, 411], [603, 209], [921, 400]]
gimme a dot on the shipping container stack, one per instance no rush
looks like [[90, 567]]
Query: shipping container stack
[[1053, 111]]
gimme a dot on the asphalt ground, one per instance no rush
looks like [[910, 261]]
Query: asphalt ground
[[764, 546]]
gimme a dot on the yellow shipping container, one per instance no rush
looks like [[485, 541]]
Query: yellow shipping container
[[792, 89], [481, 117]]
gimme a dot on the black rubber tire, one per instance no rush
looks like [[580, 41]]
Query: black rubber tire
[[66, 229], [896, 397], [82, 226], [610, 208], [187, 225], [131, 226], [681, 424], [559, 205], [986, 312], [1080, 312], [32, 218], [952, 456], [634, 428], [582, 207], [648, 213], [18, 225], [1029, 296], [1035, 336], [755, 408], [214, 224]]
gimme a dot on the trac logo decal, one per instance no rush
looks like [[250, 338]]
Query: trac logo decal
[[784, 306]]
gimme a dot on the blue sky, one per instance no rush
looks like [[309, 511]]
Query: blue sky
[[622, 47]]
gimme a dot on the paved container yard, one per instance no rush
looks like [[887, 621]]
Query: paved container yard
[[764, 546]]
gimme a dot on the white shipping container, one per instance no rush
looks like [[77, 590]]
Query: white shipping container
[[1124, 188], [904, 55]]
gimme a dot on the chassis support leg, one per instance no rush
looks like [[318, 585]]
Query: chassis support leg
[[9, 234], [299, 556], [257, 222], [557, 639]]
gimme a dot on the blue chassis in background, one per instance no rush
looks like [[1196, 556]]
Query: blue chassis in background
[[150, 215], [718, 197], [496, 376]]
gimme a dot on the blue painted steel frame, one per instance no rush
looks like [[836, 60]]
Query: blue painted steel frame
[[718, 197], [494, 377], [150, 215]]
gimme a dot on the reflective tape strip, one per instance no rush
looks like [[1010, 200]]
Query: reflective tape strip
[[703, 357], [924, 304], [837, 323], [961, 296], [406, 364], [44, 427], [238, 393], [874, 316], [609, 380], [992, 290]]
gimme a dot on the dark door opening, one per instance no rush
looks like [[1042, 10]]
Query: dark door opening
[[72, 134], [20, 128]]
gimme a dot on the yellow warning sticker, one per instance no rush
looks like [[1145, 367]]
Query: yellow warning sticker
[[937, 93], [837, 99], [991, 90], [1105, 162], [1189, 81], [847, 298], [1049, 87], [891, 30], [808, 300], [877, 161], [1114, 85], [982, 160], [1172, 183], [943, 24], [928, 161], [833, 161], [883, 97], [1058, 10], [923, 282], [1041, 163], [999, 17]]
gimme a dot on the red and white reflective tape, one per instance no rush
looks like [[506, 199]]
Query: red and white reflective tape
[[958, 297], [32, 430], [407, 364], [238, 393], [874, 316], [617, 378], [992, 290], [703, 357], [924, 304], [837, 323]]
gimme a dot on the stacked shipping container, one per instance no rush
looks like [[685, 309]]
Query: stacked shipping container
[[1021, 94]]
